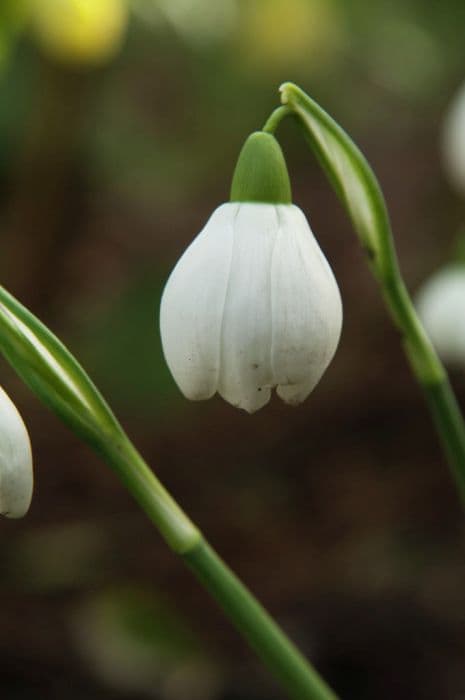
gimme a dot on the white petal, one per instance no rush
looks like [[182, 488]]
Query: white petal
[[246, 376], [16, 478], [192, 306], [306, 308], [440, 304], [294, 394], [453, 140]]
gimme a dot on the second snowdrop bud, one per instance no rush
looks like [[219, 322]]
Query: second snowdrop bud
[[16, 479]]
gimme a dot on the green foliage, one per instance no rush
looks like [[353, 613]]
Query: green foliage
[[49, 369]]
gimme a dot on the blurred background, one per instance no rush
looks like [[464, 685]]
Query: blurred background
[[120, 125]]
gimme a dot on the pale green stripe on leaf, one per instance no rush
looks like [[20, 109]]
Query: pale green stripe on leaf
[[50, 370], [350, 175]]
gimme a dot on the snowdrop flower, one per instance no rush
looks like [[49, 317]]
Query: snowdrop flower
[[16, 478], [441, 304], [252, 304], [453, 141]]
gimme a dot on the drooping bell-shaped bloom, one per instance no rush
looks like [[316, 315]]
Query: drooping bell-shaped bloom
[[440, 304], [16, 478], [252, 304]]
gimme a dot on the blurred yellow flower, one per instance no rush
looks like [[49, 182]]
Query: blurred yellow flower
[[80, 31]]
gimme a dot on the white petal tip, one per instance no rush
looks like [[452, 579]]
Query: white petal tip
[[250, 403], [16, 475], [292, 401], [294, 394], [15, 515], [198, 395], [16, 492]]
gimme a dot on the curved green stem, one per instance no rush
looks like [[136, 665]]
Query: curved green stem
[[431, 376], [176, 528], [297, 676], [424, 361], [271, 644], [360, 193], [263, 634], [49, 369], [275, 118], [448, 420]]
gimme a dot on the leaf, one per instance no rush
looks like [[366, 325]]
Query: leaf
[[351, 176], [50, 370]]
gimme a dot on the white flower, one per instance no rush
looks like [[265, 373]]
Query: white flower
[[453, 141], [251, 305], [441, 306], [16, 478]]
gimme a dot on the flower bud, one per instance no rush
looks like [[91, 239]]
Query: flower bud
[[16, 478], [252, 304], [261, 172], [440, 304]]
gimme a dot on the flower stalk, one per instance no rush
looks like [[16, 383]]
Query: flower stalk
[[275, 119], [359, 191], [301, 681], [55, 376]]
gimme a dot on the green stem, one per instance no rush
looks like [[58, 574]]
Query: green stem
[[271, 644], [360, 193], [448, 420], [174, 525], [431, 376], [263, 634], [50, 370], [274, 119], [426, 365]]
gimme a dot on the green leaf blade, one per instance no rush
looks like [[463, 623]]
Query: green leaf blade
[[350, 175], [49, 369]]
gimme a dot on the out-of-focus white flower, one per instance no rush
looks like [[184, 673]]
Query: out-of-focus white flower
[[251, 305], [453, 141], [16, 479], [441, 306], [133, 642], [199, 21]]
